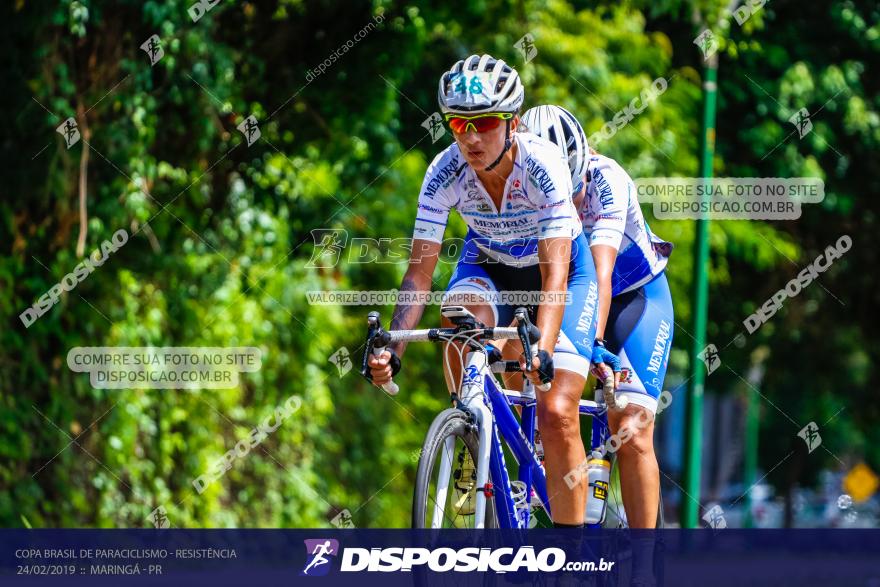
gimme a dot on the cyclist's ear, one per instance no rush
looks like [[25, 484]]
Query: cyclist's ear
[[514, 123]]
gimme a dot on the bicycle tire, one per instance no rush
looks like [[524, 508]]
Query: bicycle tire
[[449, 422]]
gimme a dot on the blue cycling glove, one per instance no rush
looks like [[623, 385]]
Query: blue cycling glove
[[603, 355]]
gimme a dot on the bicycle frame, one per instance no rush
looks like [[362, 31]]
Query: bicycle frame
[[493, 409]]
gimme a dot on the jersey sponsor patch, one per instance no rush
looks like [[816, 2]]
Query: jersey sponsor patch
[[430, 209], [659, 352], [603, 189], [442, 178], [531, 210], [539, 176]]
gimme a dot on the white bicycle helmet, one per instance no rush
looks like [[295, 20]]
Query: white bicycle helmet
[[478, 84], [560, 127], [481, 84]]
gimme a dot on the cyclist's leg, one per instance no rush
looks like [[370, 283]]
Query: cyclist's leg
[[469, 281], [640, 332], [506, 278], [558, 409]]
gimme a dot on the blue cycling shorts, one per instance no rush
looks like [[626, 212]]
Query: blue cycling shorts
[[476, 275], [639, 331]]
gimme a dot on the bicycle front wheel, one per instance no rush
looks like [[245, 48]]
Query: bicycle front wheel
[[445, 490]]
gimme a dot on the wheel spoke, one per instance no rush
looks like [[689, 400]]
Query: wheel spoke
[[619, 512], [448, 450]]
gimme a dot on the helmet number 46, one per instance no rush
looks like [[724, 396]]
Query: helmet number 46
[[474, 87]]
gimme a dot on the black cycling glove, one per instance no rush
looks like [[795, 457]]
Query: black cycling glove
[[545, 369], [394, 362]]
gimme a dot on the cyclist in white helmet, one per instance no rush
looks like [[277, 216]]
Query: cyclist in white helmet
[[635, 307], [514, 193]]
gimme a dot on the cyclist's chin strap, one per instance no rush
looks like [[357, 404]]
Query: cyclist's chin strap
[[507, 144]]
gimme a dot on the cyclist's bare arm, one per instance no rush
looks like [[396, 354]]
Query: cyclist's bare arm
[[422, 261], [554, 256], [604, 257]]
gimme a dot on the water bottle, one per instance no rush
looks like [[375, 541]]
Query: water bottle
[[598, 474]]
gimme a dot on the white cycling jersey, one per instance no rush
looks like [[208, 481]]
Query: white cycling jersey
[[611, 216], [536, 203]]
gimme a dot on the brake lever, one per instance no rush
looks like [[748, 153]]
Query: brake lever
[[377, 340], [529, 335]]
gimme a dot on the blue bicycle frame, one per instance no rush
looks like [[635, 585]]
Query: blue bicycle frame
[[520, 437]]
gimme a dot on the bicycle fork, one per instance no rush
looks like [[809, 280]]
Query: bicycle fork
[[472, 393]]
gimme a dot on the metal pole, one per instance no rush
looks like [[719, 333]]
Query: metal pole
[[750, 459], [690, 511]]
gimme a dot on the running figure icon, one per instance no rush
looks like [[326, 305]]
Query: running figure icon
[[318, 551]]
